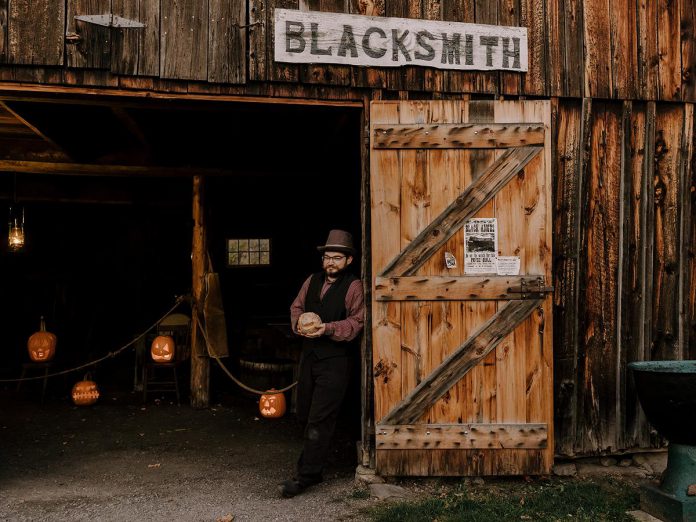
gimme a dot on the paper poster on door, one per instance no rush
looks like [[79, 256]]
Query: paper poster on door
[[480, 246]]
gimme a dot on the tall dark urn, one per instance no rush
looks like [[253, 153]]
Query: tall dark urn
[[667, 393]]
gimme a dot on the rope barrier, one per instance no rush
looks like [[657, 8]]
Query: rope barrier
[[212, 355], [109, 355]]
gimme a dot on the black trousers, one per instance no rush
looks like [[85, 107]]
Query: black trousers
[[321, 386]]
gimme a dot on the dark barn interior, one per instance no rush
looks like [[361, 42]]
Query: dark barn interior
[[106, 254]]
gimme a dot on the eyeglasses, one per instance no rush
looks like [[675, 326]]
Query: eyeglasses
[[335, 259]]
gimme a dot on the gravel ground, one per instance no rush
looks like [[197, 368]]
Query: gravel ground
[[120, 461]]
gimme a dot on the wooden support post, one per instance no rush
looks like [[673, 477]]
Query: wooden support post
[[200, 363]]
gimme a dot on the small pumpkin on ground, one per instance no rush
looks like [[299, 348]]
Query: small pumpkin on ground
[[272, 404], [85, 392]]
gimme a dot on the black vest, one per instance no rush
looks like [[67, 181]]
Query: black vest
[[331, 308]]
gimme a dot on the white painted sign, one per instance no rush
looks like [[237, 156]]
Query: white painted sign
[[508, 265], [480, 246], [313, 37]]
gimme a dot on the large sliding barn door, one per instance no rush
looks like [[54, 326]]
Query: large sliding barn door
[[462, 362]]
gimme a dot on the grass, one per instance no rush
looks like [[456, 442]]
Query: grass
[[503, 500]]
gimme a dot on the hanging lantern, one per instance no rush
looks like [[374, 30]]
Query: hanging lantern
[[85, 393], [15, 236], [42, 344], [162, 349], [272, 404]]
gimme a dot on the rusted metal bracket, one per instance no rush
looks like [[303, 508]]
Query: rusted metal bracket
[[530, 289], [110, 20]]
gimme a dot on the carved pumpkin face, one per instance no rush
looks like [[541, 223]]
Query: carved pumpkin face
[[85, 393], [272, 405], [42, 344], [162, 349]]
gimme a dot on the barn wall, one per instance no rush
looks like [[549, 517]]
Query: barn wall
[[623, 168], [616, 49]]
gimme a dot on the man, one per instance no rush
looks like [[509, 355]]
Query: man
[[336, 296]]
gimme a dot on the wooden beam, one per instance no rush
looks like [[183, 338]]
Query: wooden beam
[[85, 169], [95, 95], [476, 195], [200, 362], [462, 436], [132, 126], [457, 135], [32, 128], [468, 355], [443, 288]]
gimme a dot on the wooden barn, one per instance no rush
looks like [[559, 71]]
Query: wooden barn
[[519, 173]]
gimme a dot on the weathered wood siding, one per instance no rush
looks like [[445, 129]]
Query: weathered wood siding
[[610, 49], [624, 259]]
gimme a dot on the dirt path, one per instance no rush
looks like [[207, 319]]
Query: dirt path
[[119, 461]]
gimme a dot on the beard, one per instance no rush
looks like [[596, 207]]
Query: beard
[[334, 272]]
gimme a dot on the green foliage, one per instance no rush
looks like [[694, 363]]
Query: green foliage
[[543, 500]]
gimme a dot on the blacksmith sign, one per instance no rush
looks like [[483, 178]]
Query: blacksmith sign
[[312, 37]]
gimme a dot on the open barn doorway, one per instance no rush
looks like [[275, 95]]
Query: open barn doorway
[[109, 228]]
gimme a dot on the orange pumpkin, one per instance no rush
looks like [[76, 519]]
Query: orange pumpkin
[[42, 344], [272, 404], [85, 393], [162, 349]]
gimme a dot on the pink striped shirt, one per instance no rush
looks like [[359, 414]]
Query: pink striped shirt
[[345, 330]]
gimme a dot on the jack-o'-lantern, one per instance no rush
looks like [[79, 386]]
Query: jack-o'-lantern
[[42, 344], [308, 323], [85, 393], [162, 349], [272, 404]]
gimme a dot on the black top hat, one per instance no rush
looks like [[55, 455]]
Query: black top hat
[[338, 241]]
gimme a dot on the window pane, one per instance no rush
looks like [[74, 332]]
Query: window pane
[[254, 245], [253, 258], [244, 258], [265, 258], [232, 245], [264, 244], [233, 259], [243, 245]]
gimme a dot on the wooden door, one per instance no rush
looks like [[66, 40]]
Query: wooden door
[[462, 361]]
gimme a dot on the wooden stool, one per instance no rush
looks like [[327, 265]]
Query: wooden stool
[[34, 368], [155, 382]]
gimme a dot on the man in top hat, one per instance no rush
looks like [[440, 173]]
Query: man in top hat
[[336, 296]]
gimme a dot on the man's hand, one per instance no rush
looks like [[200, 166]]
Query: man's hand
[[318, 333]]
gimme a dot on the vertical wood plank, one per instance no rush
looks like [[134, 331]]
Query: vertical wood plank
[[533, 16], [200, 362], [568, 185], [226, 41], [624, 48], [598, 53], [634, 278], [648, 53], [556, 44], [257, 40], [386, 244], [37, 39], [669, 50], [685, 218], [509, 15], [690, 247], [687, 18], [184, 40], [668, 138], [3, 30], [574, 69], [135, 51], [598, 332]]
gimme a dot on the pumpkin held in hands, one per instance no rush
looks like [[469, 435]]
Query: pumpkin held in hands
[[42, 344], [162, 349], [85, 393], [272, 404], [308, 323]]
